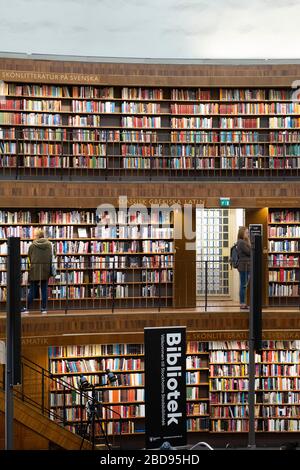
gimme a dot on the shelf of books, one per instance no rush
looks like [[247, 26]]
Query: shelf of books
[[126, 396], [216, 378], [277, 387], [284, 252], [122, 258], [119, 132]]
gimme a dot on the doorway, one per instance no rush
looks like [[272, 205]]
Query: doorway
[[216, 232]]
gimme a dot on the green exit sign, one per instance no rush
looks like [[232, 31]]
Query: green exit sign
[[224, 201]]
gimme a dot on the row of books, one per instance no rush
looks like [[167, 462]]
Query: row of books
[[284, 215], [31, 105], [260, 108], [96, 365], [89, 149], [16, 231], [280, 411], [236, 94], [197, 424], [89, 162], [150, 137], [187, 94], [196, 362], [140, 108], [230, 384], [92, 92], [231, 356], [141, 150], [284, 275], [133, 216], [125, 411], [114, 262], [142, 93], [34, 90], [232, 411], [93, 106], [230, 425], [282, 260], [59, 291], [287, 150], [136, 246], [200, 108], [194, 378], [91, 120], [33, 119], [38, 148], [155, 163], [138, 231], [230, 123], [114, 349], [284, 245], [191, 123], [283, 231], [66, 217], [197, 408], [283, 290], [241, 356], [241, 397], [145, 121], [234, 136], [284, 122]]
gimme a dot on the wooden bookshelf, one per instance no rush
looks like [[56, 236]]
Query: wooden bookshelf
[[72, 132], [131, 261], [210, 408], [129, 399], [277, 393], [284, 248]]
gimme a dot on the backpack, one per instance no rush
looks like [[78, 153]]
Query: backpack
[[234, 257]]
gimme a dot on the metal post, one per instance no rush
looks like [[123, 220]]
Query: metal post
[[113, 287], [13, 334], [254, 322], [43, 390], [206, 285], [9, 400]]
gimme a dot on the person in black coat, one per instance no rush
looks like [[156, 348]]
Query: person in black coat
[[244, 254]]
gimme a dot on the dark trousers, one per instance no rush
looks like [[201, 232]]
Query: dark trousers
[[244, 279], [33, 293]]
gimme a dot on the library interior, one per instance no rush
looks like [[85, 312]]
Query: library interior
[[140, 175]]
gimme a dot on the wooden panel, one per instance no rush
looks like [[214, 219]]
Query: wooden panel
[[86, 328], [185, 260], [260, 216], [24, 438], [90, 195], [35, 431], [135, 74]]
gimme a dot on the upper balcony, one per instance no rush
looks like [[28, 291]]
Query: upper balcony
[[148, 121]]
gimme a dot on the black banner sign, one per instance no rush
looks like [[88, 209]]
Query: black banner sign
[[165, 386]]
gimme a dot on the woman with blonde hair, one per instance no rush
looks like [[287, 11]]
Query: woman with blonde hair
[[244, 255]]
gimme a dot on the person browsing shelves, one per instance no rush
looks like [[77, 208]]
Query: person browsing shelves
[[244, 255], [40, 258]]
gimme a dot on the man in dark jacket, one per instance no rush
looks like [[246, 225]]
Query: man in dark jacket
[[40, 260]]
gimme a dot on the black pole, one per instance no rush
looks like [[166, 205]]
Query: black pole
[[254, 323], [206, 285], [13, 334]]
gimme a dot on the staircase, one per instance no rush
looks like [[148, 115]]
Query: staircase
[[32, 418], [31, 409]]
